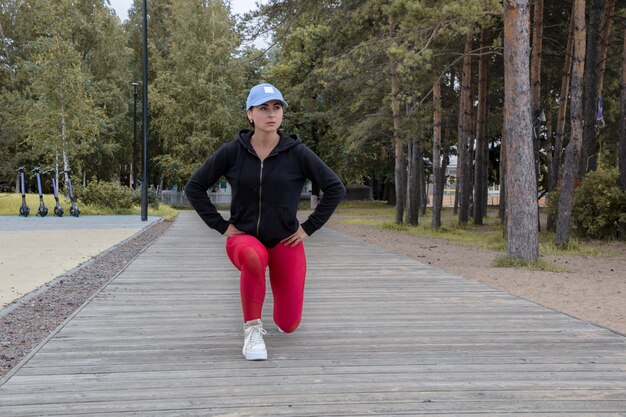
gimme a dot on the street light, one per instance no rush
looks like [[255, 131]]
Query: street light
[[134, 173]]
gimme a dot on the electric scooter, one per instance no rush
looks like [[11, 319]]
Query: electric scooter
[[43, 210], [24, 210], [58, 210], [74, 211]]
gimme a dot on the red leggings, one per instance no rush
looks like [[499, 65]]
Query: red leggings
[[287, 273]]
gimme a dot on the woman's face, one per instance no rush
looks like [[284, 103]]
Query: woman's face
[[267, 117]]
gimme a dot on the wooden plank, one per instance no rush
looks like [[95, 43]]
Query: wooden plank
[[381, 335]]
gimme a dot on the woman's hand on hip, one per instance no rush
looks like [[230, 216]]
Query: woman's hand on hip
[[232, 231], [296, 238]]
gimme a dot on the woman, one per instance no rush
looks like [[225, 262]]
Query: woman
[[266, 170]]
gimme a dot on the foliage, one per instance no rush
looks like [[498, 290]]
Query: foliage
[[552, 203], [197, 98], [153, 198], [334, 60], [105, 194], [65, 69], [599, 208]]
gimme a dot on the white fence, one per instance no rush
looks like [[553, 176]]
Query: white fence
[[179, 199]]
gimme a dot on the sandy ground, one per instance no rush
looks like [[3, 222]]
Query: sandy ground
[[35, 258], [592, 289], [36, 250]]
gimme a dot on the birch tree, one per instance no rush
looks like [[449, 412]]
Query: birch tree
[[62, 121]]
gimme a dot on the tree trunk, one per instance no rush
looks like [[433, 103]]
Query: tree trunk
[[573, 148], [557, 153], [589, 148], [549, 135], [437, 177], [464, 149], [535, 63], [480, 184], [445, 158], [502, 175], [413, 189], [535, 79], [456, 186], [422, 179], [66, 161], [535, 84], [609, 7], [622, 123], [521, 192], [485, 152], [399, 149]]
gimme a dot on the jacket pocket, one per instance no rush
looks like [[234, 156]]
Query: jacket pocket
[[290, 223], [275, 225], [245, 219]]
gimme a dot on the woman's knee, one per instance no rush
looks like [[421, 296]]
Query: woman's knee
[[245, 251], [288, 325]]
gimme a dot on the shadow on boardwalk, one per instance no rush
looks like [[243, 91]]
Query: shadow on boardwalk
[[381, 335]]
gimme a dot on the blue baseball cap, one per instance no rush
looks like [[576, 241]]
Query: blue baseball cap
[[262, 93]]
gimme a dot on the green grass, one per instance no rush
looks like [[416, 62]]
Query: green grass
[[382, 215], [366, 208], [10, 206], [488, 236]]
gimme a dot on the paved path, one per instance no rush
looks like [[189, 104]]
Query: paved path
[[36, 250], [381, 335]]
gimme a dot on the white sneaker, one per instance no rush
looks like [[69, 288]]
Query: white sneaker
[[253, 345]]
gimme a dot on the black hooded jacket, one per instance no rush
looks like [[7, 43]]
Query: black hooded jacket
[[265, 194]]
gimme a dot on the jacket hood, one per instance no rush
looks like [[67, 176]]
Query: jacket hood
[[286, 141]]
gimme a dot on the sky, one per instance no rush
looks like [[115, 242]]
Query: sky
[[238, 6]]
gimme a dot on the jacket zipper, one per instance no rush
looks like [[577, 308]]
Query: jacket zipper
[[258, 222]]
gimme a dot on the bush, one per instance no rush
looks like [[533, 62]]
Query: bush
[[106, 195], [153, 198], [599, 207], [552, 203]]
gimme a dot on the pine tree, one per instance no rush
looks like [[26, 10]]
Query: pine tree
[[572, 151], [521, 200]]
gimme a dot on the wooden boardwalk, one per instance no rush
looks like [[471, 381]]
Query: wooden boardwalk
[[381, 335]]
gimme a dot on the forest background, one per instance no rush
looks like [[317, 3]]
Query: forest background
[[386, 92]]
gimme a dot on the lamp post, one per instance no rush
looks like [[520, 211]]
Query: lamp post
[[134, 173], [144, 181]]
